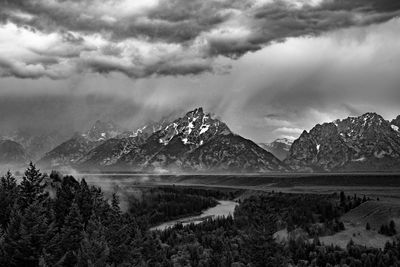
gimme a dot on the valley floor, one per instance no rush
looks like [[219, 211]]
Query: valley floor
[[382, 186], [384, 191]]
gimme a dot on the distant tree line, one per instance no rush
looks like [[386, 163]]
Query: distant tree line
[[388, 230], [168, 203]]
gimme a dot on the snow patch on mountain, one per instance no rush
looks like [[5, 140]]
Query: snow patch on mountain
[[279, 148], [193, 129], [367, 138], [285, 141], [204, 128]]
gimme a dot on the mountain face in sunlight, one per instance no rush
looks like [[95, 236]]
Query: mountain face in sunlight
[[364, 143]]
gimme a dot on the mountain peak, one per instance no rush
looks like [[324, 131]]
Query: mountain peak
[[196, 111], [102, 130], [279, 147], [349, 144], [285, 141], [396, 122], [368, 116], [194, 128], [372, 116]]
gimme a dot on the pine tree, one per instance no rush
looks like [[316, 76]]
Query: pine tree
[[71, 235], [392, 228], [8, 182], [31, 187], [115, 204], [119, 236], [12, 235], [55, 178], [28, 235], [84, 200], [94, 249], [121, 230], [101, 208], [384, 230], [65, 196], [8, 195], [316, 241], [368, 262], [342, 198]]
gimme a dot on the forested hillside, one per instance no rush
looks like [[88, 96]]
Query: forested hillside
[[58, 221]]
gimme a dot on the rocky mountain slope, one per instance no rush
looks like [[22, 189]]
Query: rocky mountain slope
[[35, 144], [106, 154], [69, 152], [364, 143], [12, 152], [194, 142], [101, 131], [199, 142], [232, 152], [279, 147]]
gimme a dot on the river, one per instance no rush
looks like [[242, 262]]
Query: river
[[223, 209]]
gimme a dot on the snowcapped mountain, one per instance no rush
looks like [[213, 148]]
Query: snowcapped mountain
[[395, 124], [108, 153], [198, 142], [168, 146], [279, 148], [364, 143], [193, 129], [143, 132]]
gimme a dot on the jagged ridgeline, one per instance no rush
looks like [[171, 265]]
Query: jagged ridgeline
[[195, 142], [364, 143], [200, 142]]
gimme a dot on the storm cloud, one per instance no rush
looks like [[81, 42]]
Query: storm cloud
[[268, 68], [142, 38]]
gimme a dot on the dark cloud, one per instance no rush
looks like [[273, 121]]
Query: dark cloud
[[105, 66], [233, 49], [277, 21], [202, 29], [185, 68], [287, 65]]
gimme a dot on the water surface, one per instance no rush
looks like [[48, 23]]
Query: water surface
[[223, 209]]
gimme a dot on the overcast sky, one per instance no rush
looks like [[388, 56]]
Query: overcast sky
[[267, 68]]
